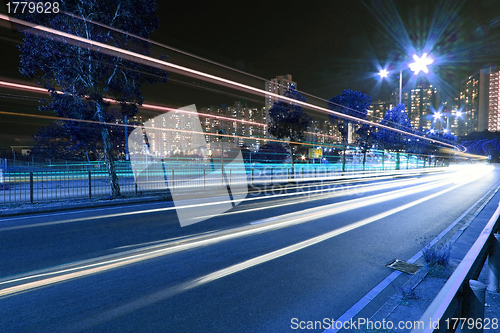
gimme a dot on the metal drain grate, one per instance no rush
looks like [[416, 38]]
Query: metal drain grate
[[403, 266]]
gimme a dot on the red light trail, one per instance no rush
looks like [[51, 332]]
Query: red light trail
[[139, 58]]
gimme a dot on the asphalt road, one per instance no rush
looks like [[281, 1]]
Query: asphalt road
[[253, 269]]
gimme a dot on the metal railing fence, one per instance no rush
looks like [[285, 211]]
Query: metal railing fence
[[38, 186]]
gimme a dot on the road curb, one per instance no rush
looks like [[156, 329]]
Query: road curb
[[64, 206]]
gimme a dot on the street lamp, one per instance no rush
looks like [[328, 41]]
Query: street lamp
[[419, 65], [438, 115], [383, 73]]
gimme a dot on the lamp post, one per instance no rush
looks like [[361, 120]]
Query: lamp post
[[448, 115], [437, 116], [221, 134], [419, 65], [458, 114], [254, 147]]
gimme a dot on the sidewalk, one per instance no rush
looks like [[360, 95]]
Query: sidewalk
[[413, 298], [71, 204]]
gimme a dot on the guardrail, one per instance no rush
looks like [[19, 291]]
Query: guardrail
[[460, 303], [37, 186]]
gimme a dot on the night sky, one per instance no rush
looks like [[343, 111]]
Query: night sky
[[328, 46]]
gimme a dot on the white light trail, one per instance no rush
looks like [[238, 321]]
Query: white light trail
[[134, 256], [186, 286], [216, 202]]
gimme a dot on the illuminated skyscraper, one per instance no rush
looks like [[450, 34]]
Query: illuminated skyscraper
[[279, 85], [378, 109], [423, 100], [474, 101], [419, 103], [494, 102]]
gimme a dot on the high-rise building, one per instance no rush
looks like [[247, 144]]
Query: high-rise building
[[474, 101], [494, 102], [322, 131], [279, 85], [212, 123], [420, 102], [378, 109], [251, 125], [174, 134], [469, 100], [405, 97], [423, 100]]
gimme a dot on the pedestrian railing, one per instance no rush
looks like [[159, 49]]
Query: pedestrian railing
[[38, 186], [461, 302]]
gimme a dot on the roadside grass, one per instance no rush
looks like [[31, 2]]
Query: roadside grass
[[437, 260], [408, 294]]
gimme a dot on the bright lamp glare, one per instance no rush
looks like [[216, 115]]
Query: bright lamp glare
[[383, 73], [437, 115], [458, 114], [421, 64]]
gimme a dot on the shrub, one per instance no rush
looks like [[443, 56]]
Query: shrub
[[437, 260], [409, 294]]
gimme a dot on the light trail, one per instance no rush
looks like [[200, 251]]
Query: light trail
[[194, 56], [215, 203], [24, 87], [324, 135], [266, 225], [161, 45], [186, 286], [318, 195], [356, 203], [160, 108], [361, 202], [139, 58], [152, 128], [129, 257]]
